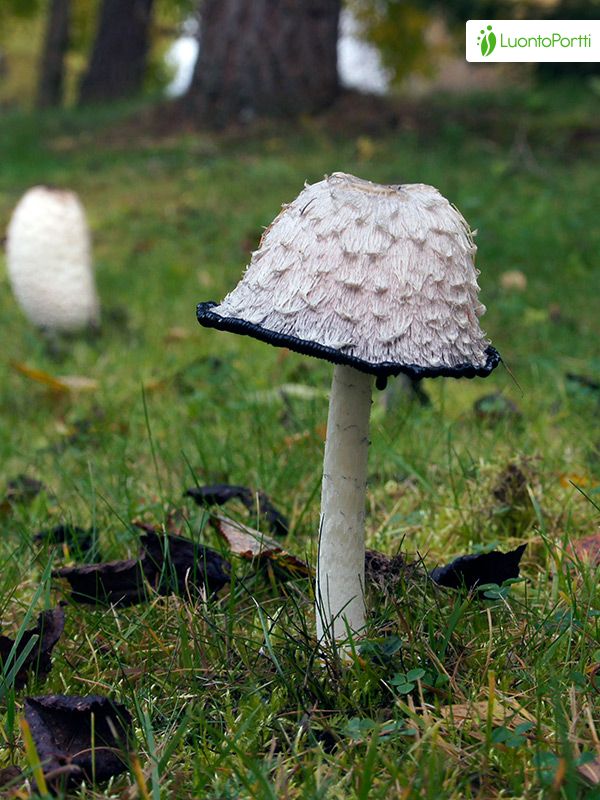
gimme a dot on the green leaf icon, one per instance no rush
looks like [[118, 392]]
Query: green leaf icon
[[487, 41]]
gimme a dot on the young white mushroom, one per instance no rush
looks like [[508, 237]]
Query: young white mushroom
[[49, 260], [380, 280]]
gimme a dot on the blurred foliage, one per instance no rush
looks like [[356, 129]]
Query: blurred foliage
[[84, 15], [18, 8], [399, 29], [21, 28]]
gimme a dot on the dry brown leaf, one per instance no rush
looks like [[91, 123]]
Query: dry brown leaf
[[505, 712], [251, 544], [155, 384], [177, 334], [78, 383], [294, 438], [65, 383], [591, 771], [321, 431], [586, 550], [567, 480], [513, 280], [39, 376]]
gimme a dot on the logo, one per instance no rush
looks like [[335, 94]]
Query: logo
[[532, 40], [487, 41]]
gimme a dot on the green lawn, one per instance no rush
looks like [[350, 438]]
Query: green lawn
[[228, 696]]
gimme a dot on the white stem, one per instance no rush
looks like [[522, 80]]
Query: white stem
[[341, 564]]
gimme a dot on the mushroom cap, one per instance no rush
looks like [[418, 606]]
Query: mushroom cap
[[49, 263], [381, 278]]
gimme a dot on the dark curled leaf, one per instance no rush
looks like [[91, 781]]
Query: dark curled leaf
[[221, 493], [79, 540], [21, 489], [79, 738], [173, 564], [49, 628], [583, 381], [10, 778], [216, 495], [275, 519], [384, 571], [479, 569], [119, 583]]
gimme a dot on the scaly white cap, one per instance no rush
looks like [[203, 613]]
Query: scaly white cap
[[380, 278], [49, 260]]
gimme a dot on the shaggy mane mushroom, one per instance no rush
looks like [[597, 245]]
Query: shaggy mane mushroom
[[49, 260], [379, 280]]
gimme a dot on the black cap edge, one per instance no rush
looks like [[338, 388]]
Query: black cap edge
[[383, 370]]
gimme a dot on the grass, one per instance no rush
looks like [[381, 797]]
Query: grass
[[229, 697]]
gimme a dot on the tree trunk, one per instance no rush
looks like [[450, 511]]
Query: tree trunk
[[52, 64], [118, 61], [261, 57]]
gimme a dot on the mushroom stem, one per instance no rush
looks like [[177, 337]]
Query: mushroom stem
[[340, 603]]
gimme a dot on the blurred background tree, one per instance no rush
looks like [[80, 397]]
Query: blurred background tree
[[117, 63], [263, 58], [255, 57], [52, 64]]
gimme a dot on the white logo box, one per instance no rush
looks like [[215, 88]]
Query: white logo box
[[533, 40]]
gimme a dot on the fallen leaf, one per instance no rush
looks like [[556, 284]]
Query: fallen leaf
[[177, 334], [205, 278], [21, 489], [385, 572], [67, 383], [155, 384], [39, 376], [321, 431], [591, 771], [144, 246], [511, 487], [567, 480], [475, 715], [79, 738], [583, 381], [586, 550], [478, 569], [295, 391], [221, 493], [513, 280], [49, 628], [495, 407], [253, 545], [294, 438], [78, 383], [555, 312], [119, 583], [79, 541], [173, 564], [10, 778]]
